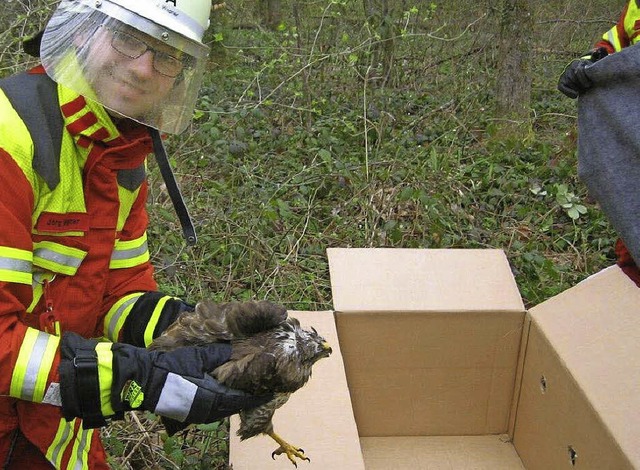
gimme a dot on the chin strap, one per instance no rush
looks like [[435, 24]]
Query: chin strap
[[188, 230]]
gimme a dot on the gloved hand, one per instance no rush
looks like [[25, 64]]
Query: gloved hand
[[102, 380], [574, 81]]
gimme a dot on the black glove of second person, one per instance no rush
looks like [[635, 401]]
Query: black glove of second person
[[101, 380], [574, 81]]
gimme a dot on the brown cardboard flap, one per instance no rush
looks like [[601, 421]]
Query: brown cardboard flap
[[317, 418], [430, 338], [440, 452], [430, 373], [409, 280], [580, 396]]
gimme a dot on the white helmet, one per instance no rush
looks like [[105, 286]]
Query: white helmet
[[98, 48], [186, 18]]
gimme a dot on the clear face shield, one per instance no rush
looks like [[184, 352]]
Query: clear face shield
[[131, 65]]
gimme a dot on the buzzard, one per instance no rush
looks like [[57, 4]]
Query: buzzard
[[270, 354]]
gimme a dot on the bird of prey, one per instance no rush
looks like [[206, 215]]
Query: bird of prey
[[270, 354]]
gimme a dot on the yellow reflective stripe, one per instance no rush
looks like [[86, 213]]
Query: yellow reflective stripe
[[105, 377], [630, 19], [37, 295], [117, 315], [60, 442], [14, 276], [15, 265], [32, 368], [56, 257], [127, 200], [153, 321], [16, 140], [80, 455], [612, 37], [130, 253]]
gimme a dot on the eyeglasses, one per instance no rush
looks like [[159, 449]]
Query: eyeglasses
[[132, 47]]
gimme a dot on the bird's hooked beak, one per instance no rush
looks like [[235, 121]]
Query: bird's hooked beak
[[326, 349]]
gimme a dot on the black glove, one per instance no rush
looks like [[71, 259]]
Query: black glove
[[102, 380], [574, 81]]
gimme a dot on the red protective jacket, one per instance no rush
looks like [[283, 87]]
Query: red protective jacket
[[626, 32], [73, 257]]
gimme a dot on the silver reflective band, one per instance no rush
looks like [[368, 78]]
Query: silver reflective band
[[53, 397], [116, 316], [13, 264], [129, 253], [62, 441], [57, 258], [82, 449], [33, 367], [176, 398]]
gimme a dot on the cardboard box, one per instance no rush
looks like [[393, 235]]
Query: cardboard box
[[429, 338], [445, 370], [579, 403]]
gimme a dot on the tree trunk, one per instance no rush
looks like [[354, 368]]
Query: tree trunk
[[513, 87], [270, 13], [380, 15]]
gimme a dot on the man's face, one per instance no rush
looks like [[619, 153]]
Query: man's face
[[123, 68]]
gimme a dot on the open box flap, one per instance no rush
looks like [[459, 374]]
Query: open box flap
[[410, 280], [580, 395]]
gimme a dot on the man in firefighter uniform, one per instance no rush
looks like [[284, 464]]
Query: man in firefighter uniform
[[574, 81], [74, 264]]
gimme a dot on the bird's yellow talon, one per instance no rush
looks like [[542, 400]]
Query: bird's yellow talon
[[286, 448]]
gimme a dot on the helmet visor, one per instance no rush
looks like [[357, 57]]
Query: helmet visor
[[129, 64]]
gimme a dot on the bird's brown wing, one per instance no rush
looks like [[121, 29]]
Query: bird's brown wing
[[203, 326], [252, 317], [213, 322], [250, 369]]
